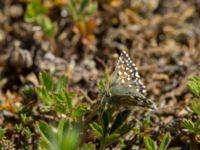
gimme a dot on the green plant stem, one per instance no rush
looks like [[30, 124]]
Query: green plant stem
[[88, 118], [102, 145], [95, 108]]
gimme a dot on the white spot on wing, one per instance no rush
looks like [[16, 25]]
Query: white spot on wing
[[137, 75], [130, 85], [123, 81], [120, 73]]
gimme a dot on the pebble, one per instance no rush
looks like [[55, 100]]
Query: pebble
[[16, 11]]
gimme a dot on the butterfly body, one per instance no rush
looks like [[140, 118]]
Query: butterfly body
[[125, 88]]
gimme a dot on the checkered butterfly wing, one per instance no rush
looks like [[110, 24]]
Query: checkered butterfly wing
[[126, 87], [127, 73]]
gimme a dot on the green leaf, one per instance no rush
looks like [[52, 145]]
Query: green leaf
[[47, 26], [63, 126], [147, 121], [149, 143], [68, 98], [91, 9], [60, 104], [124, 129], [122, 144], [105, 123], [72, 9], [2, 132], [110, 111], [111, 138], [46, 80], [81, 10], [62, 82], [87, 147], [120, 119], [83, 5], [37, 13], [79, 112], [48, 134], [165, 142], [28, 90], [194, 85], [43, 94], [196, 107], [197, 127], [33, 10], [27, 132], [71, 139], [101, 86], [188, 125], [97, 129], [64, 101], [193, 127]]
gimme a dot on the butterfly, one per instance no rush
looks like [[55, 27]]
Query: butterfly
[[125, 88]]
